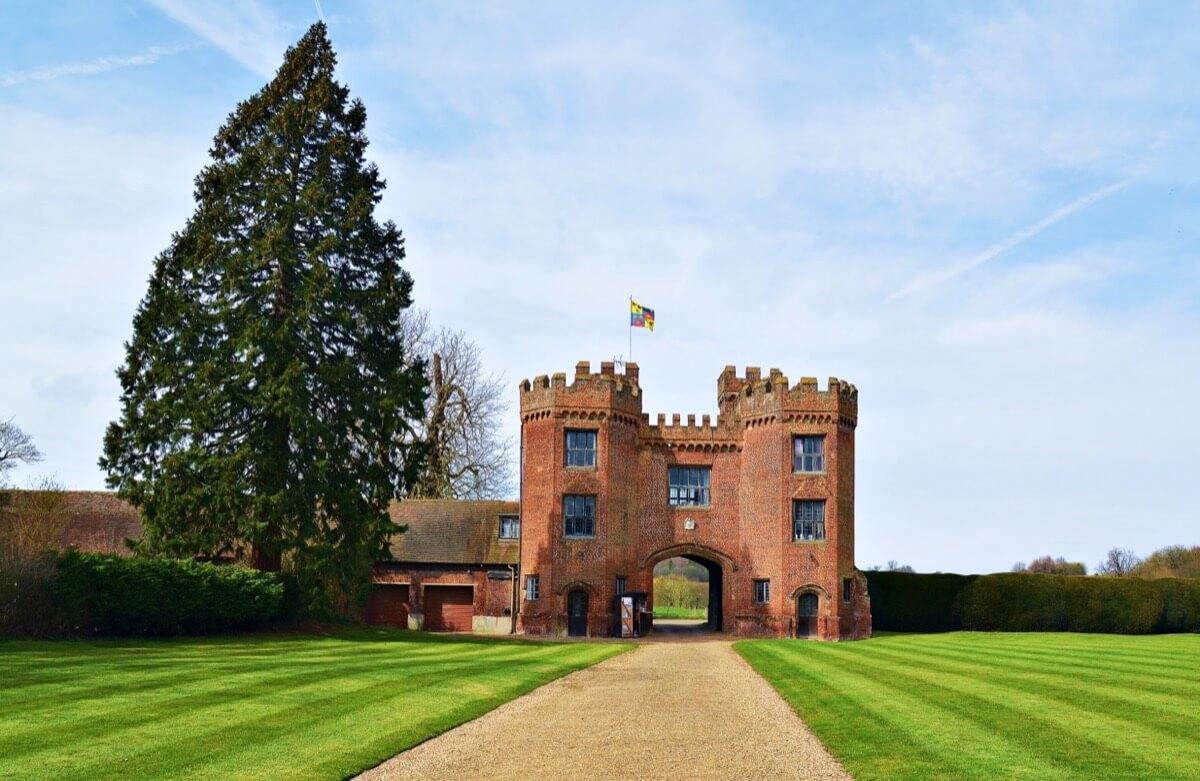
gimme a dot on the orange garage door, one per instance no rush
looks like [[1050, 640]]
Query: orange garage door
[[449, 608], [388, 606]]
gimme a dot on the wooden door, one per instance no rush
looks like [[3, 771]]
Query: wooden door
[[806, 615], [449, 608], [388, 606], [577, 613]]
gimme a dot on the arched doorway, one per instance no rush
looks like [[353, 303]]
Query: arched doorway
[[714, 562], [807, 608], [577, 613]]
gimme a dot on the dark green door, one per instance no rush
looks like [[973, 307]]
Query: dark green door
[[577, 610], [806, 615]]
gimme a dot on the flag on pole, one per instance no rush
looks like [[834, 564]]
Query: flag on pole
[[640, 316]]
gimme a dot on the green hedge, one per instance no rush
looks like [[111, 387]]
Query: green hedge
[[104, 594], [1181, 604], [908, 602], [1023, 602]]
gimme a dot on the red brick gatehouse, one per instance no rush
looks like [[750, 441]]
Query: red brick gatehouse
[[763, 497]]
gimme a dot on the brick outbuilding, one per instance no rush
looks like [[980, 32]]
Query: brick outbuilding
[[455, 568], [763, 497]]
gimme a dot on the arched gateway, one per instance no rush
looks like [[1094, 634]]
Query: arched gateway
[[763, 498], [714, 562]]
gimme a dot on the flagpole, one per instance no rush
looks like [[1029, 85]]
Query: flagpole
[[631, 329]]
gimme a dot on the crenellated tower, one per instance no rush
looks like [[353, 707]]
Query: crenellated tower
[[763, 497]]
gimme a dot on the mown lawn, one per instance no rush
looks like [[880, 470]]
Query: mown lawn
[[257, 707], [680, 612], [997, 706]]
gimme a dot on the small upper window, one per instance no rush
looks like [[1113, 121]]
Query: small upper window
[[620, 584], [808, 454], [581, 448], [688, 485], [510, 527], [579, 516], [808, 520], [762, 591], [847, 589]]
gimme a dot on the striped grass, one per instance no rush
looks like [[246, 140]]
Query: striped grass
[[269, 706], [968, 705]]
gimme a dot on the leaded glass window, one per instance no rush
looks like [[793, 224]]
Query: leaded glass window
[[688, 486], [579, 516], [580, 448], [808, 454], [808, 520]]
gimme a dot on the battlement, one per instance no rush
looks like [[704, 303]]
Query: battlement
[[677, 431], [587, 390], [738, 397], [754, 394]]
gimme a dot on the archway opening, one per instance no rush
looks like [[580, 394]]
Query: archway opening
[[687, 594]]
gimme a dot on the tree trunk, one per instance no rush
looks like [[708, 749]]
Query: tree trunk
[[430, 485], [265, 560]]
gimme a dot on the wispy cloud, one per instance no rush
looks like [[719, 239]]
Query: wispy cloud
[[244, 30], [98, 65], [762, 178], [934, 278]]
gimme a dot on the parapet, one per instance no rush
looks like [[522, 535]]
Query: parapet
[[739, 398], [688, 435], [606, 390], [752, 395]]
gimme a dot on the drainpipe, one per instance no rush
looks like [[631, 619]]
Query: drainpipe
[[512, 600], [516, 582]]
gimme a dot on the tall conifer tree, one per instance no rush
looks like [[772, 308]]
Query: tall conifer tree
[[266, 396]]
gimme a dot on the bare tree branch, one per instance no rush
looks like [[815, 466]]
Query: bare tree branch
[[1118, 562], [468, 456], [15, 447]]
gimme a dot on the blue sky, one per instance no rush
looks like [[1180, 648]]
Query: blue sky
[[986, 217]]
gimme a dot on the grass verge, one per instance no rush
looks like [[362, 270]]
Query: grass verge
[[680, 612], [271, 706], [1051, 707]]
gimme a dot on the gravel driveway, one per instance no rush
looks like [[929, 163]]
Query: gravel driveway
[[691, 710]]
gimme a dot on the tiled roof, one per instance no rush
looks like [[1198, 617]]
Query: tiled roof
[[440, 531], [95, 521], [450, 531], [99, 522]]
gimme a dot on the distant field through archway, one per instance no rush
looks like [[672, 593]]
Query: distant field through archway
[[681, 591]]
